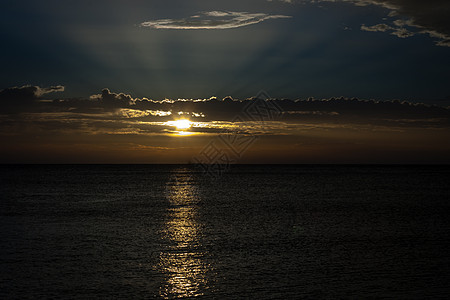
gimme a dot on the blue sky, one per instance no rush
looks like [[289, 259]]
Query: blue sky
[[320, 51]]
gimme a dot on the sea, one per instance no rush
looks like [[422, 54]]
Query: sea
[[252, 232]]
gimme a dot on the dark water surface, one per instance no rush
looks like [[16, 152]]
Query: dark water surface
[[261, 232]]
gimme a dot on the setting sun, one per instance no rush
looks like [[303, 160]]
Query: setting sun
[[181, 124]]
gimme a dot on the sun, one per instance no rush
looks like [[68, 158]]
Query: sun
[[181, 124]]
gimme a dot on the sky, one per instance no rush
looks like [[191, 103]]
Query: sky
[[306, 81]]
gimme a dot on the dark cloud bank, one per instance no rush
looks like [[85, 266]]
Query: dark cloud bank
[[117, 128], [15, 102]]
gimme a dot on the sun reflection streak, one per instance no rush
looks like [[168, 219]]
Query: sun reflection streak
[[185, 133], [183, 262]]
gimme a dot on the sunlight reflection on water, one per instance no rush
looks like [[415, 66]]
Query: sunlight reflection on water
[[183, 261]]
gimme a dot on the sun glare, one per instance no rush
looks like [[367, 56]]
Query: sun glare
[[181, 124]]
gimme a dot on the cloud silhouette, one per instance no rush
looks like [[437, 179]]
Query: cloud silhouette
[[213, 20], [113, 100], [109, 110], [25, 98], [116, 123]]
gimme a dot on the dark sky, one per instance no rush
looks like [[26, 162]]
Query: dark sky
[[57, 58]]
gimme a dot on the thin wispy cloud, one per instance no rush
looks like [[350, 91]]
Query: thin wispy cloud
[[423, 17], [213, 20], [400, 32]]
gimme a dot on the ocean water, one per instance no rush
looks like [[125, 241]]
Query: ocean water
[[260, 232]]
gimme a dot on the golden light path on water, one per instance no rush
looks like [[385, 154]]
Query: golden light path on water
[[183, 262]]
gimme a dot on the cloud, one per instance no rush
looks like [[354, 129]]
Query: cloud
[[23, 108], [111, 121], [425, 17], [400, 32], [101, 111], [285, 1], [25, 98], [344, 110], [213, 20], [376, 28], [53, 89], [113, 100], [428, 17], [68, 128]]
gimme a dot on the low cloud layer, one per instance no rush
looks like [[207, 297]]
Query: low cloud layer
[[115, 127], [27, 103], [212, 20], [25, 98]]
